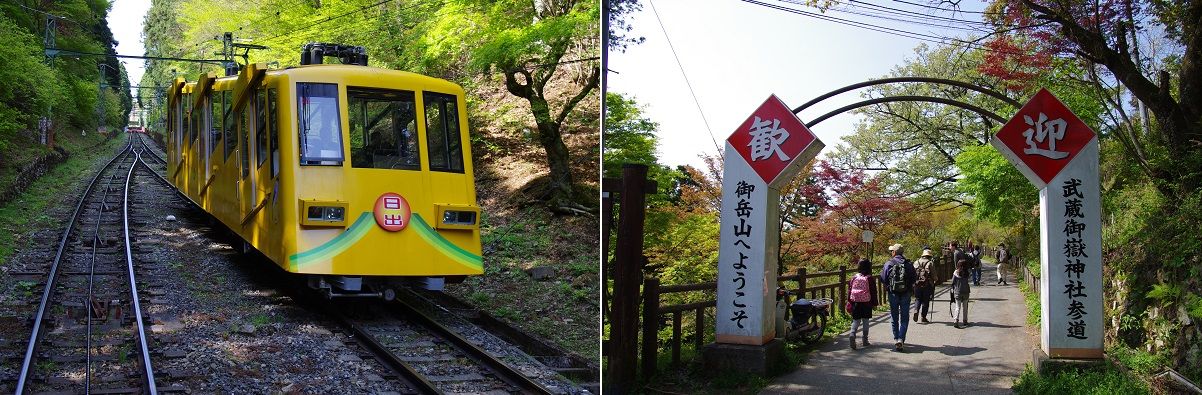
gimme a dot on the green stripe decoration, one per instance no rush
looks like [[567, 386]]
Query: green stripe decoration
[[336, 245], [445, 246], [363, 224]]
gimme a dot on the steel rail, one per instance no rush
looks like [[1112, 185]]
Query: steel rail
[[384, 355], [148, 369], [30, 349], [91, 281], [153, 154], [504, 372]]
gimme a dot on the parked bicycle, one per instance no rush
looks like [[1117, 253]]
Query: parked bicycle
[[806, 319]]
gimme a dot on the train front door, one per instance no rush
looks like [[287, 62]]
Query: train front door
[[246, 183]]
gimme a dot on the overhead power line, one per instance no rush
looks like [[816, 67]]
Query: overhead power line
[[686, 78], [884, 29], [944, 9]]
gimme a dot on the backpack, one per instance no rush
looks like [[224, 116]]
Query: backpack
[[923, 276], [860, 289], [897, 278], [1005, 256]]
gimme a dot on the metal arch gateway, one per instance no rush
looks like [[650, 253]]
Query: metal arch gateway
[[942, 81]]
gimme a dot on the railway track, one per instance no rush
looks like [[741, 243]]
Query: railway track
[[435, 358], [88, 332]]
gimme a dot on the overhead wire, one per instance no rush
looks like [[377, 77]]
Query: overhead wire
[[878, 15], [944, 9], [884, 29], [686, 78], [899, 11]]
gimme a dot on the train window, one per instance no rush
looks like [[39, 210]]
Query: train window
[[273, 129], [179, 126], [215, 105], [244, 132], [261, 127], [442, 132], [320, 127], [190, 124], [228, 124], [383, 129]]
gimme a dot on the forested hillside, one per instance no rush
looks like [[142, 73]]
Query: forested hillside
[[530, 69], [52, 102]]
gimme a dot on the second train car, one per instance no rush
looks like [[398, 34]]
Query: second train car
[[351, 175]]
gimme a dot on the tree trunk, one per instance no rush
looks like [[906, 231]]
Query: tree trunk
[[560, 188]]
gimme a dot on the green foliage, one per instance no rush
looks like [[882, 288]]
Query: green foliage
[[1107, 381], [1031, 298], [629, 137], [65, 89], [685, 249], [1165, 292], [1000, 193], [1140, 362]]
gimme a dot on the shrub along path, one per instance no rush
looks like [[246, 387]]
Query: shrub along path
[[985, 357]]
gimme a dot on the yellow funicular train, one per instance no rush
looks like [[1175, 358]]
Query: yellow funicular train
[[354, 176]]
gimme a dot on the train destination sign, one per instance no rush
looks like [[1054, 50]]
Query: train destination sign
[[1058, 153], [761, 155]]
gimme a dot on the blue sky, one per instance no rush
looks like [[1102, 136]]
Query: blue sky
[[737, 53]]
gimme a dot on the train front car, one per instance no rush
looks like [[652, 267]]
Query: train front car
[[381, 178]]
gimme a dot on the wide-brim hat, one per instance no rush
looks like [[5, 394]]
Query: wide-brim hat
[[926, 252], [895, 247]]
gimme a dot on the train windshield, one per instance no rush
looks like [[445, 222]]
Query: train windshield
[[383, 129], [320, 128]]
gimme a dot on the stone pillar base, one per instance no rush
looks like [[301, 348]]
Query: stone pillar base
[[1046, 365], [723, 357]]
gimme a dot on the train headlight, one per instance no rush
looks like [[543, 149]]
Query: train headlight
[[457, 217], [318, 213]]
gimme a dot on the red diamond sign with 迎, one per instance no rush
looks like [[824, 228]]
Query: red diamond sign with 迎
[[1042, 138], [771, 139]]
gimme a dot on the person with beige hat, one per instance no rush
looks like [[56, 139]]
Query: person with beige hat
[[924, 287]]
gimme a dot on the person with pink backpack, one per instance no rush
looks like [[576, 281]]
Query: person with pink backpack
[[862, 300]]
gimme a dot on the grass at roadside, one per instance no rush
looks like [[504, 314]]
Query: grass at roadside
[[562, 308], [29, 210], [1032, 300], [1109, 380]]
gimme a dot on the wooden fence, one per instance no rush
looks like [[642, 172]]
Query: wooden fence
[[832, 285], [1030, 278]]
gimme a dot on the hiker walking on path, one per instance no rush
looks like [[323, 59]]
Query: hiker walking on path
[[1003, 257], [899, 278], [960, 291], [956, 253], [924, 287], [862, 295], [975, 263]]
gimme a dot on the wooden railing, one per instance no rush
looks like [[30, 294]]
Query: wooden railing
[[1032, 279], [831, 284]]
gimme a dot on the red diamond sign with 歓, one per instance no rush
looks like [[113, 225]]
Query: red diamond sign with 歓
[[1042, 138], [771, 139]]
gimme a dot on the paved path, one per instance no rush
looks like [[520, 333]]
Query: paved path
[[938, 359]]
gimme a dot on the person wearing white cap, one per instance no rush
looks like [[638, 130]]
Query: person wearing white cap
[[924, 287], [899, 278]]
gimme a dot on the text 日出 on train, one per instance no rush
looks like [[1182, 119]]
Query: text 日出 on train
[[351, 175]]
